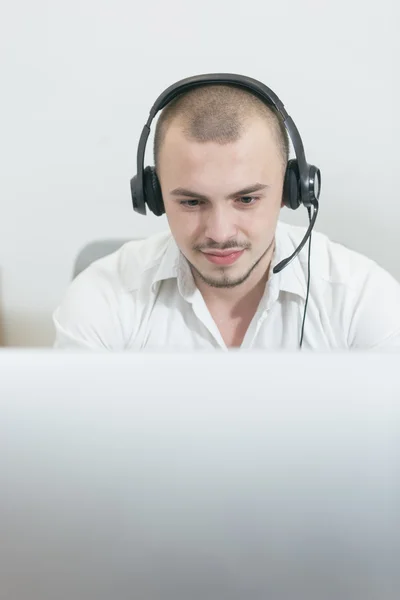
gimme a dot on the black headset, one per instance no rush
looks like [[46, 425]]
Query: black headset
[[302, 183]]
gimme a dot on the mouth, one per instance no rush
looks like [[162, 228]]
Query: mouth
[[223, 258]]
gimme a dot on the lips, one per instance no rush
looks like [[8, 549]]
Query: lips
[[224, 259]]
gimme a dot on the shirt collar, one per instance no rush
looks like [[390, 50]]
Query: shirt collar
[[139, 271], [172, 264], [292, 278], [168, 265], [175, 266]]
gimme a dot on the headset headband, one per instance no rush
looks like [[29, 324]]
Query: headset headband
[[254, 86]]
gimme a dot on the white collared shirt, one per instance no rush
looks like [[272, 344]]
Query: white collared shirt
[[143, 296]]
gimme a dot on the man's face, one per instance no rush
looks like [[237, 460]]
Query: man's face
[[223, 201]]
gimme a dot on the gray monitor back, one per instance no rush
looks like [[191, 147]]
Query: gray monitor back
[[208, 476]]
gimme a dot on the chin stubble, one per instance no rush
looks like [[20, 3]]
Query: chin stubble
[[225, 281]]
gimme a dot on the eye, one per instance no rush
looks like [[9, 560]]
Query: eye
[[190, 203], [248, 200]]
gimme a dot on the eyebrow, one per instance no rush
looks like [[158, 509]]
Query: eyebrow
[[256, 187]]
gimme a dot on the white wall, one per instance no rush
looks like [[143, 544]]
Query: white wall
[[78, 79]]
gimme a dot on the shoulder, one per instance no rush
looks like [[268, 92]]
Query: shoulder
[[127, 266], [123, 269], [332, 261], [357, 295], [98, 308]]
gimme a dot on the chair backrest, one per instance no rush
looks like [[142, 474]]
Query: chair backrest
[[93, 251]]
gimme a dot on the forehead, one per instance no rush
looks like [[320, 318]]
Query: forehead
[[256, 147]]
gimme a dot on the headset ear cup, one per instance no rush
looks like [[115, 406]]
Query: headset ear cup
[[291, 186], [137, 197], [152, 191]]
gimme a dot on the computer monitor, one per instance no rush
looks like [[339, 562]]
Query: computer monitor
[[199, 476]]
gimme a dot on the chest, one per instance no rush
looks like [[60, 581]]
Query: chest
[[232, 329], [170, 322]]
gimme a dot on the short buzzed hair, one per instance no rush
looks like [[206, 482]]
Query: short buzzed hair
[[218, 113]]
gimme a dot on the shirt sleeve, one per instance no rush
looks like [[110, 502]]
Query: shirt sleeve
[[89, 316], [375, 323]]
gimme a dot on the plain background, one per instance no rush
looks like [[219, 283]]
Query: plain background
[[78, 79]]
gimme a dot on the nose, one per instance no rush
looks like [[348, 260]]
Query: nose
[[220, 224]]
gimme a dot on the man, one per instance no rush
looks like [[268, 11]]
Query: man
[[220, 156]]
